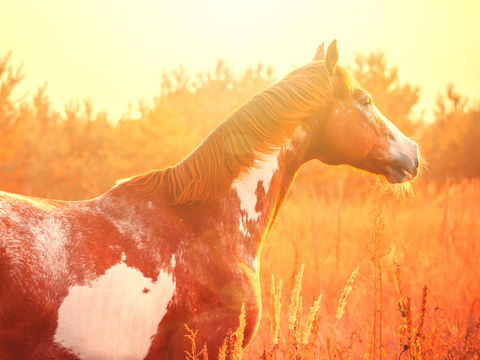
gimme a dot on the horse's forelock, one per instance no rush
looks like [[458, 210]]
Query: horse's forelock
[[349, 83]]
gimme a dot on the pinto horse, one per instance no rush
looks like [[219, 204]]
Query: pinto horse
[[119, 276]]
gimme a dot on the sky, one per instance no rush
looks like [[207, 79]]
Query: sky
[[114, 51]]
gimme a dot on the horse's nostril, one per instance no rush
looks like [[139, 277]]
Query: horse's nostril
[[416, 163]]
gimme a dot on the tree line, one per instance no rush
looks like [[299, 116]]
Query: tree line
[[77, 153]]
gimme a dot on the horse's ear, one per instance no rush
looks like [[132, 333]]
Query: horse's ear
[[320, 54], [332, 57]]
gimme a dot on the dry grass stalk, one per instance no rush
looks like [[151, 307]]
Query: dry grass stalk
[[315, 331], [416, 341], [298, 323], [298, 335], [225, 351], [399, 277], [275, 310], [232, 348], [294, 316], [409, 316], [419, 334], [194, 355], [343, 298], [353, 339], [238, 345], [376, 344], [295, 299], [311, 317], [404, 306]]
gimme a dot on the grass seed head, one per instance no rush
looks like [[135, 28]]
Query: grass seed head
[[343, 299]]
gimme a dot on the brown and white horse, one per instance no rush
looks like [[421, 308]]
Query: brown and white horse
[[118, 276]]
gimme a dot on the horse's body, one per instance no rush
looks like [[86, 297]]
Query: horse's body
[[118, 277]]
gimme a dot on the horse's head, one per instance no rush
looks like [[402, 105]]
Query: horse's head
[[354, 132]]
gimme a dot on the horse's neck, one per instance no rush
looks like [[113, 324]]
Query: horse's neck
[[263, 188], [238, 218]]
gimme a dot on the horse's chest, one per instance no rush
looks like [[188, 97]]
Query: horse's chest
[[114, 317]]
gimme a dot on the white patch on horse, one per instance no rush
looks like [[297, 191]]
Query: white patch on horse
[[50, 235], [246, 186], [50, 231], [9, 213], [116, 316], [131, 226], [298, 135], [242, 228]]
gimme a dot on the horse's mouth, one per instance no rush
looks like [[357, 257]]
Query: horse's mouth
[[396, 174], [396, 171]]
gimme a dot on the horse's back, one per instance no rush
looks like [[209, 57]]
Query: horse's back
[[21, 219], [31, 235], [53, 243]]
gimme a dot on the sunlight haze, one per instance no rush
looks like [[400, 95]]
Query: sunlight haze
[[114, 52]]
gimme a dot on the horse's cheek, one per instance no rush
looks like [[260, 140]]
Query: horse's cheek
[[333, 145], [351, 136]]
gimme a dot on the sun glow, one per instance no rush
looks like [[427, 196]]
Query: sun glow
[[114, 52]]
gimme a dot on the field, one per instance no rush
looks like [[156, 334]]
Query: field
[[417, 291]]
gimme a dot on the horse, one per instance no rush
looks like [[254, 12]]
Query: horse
[[119, 276]]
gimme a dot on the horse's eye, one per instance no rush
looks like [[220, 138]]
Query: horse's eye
[[366, 102]]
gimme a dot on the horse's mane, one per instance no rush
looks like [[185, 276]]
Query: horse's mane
[[258, 128]]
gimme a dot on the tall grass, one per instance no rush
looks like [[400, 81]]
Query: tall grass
[[434, 237], [416, 294]]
